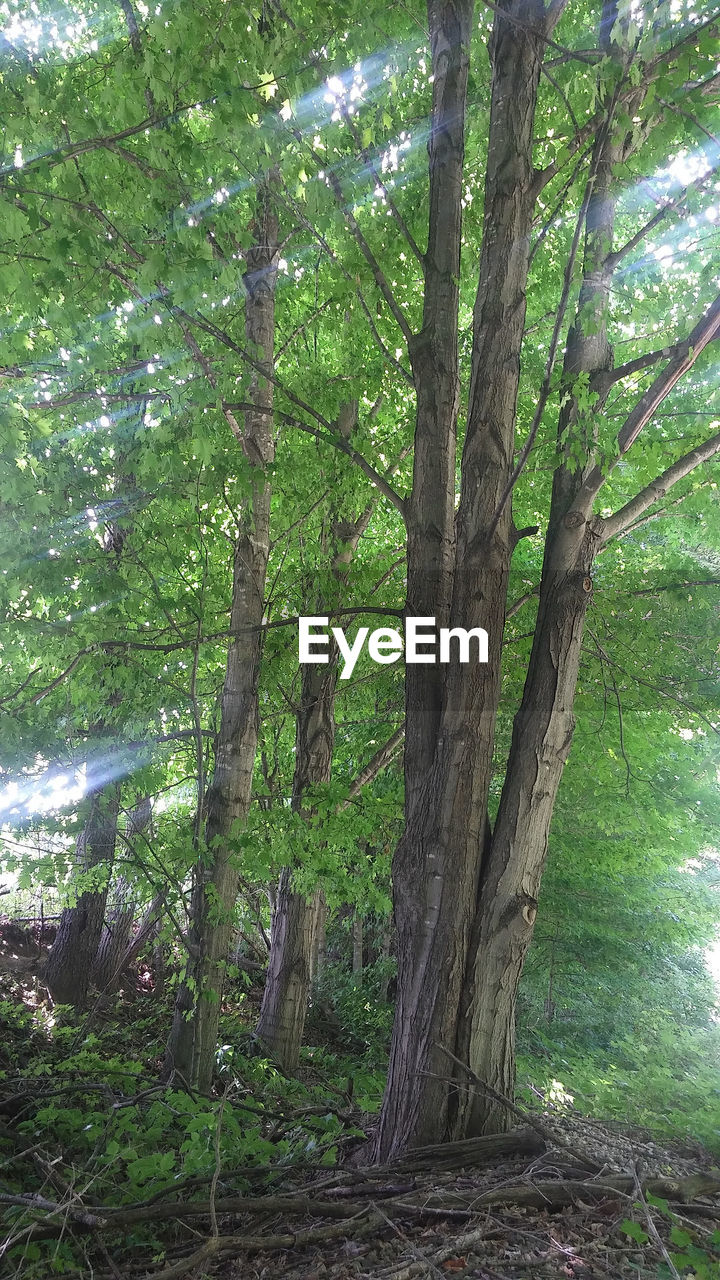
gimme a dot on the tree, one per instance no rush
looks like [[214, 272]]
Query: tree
[[485, 297], [466, 893], [297, 920], [79, 939], [193, 1039]]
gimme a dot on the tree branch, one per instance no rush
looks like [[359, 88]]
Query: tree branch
[[297, 211], [328, 437], [382, 757], [666, 209], [369, 256], [365, 152], [366, 251], [683, 359], [653, 492]]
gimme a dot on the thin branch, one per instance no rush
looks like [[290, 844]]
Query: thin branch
[[656, 490], [369, 256], [558, 89], [654, 1233], [586, 133], [606, 379], [666, 209], [297, 211], [58, 155], [37, 697], [685, 355], [554, 341], [299, 329], [676, 586], [396, 214], [366, 251], [517, 605], [688, 40], [552, 217], [222, 336], [663, 691], [552, 13], [621, 725], [687, 115], [327, 436], [382, 757], [10, 696]]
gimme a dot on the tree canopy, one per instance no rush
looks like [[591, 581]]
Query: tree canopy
[[367, 314]]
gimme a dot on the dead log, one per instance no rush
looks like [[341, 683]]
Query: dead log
[[559, 1193], [474, 1151]]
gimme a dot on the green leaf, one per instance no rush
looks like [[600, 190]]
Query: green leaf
[[634, 1231]]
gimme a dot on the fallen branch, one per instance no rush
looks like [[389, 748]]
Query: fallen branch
[[473, 1151], [654, 1233], [557, 1194], [217, 1247], [105, 1219]]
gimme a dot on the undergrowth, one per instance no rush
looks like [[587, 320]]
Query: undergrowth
[[83, 1117]]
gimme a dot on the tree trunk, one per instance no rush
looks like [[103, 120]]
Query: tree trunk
[[298, 926], [434, 359], [70, 960], [296, 919], [70, 963], [287, 987], [115, 936], [542, 734], [318, 959], [437, 865], [117, 927], [193, 1038], [544, 724]]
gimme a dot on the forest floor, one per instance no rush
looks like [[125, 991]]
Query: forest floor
[[559, 1197], [107, 1174], [598, 1204]]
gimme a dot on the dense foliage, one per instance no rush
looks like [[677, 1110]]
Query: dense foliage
[[150, 157]]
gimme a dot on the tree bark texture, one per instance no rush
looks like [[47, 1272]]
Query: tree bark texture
[[70, 960], [437, 865], [297, 919], [193, 1038], [434, 360], [115, 936], [117, 926], [544, 724]]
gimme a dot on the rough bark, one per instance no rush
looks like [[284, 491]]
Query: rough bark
[[70, 963], [193, 1038], [438, 862], [434, 360], [70, 960], [117, 926], [544, 724], [115, 936], [296, 919]]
